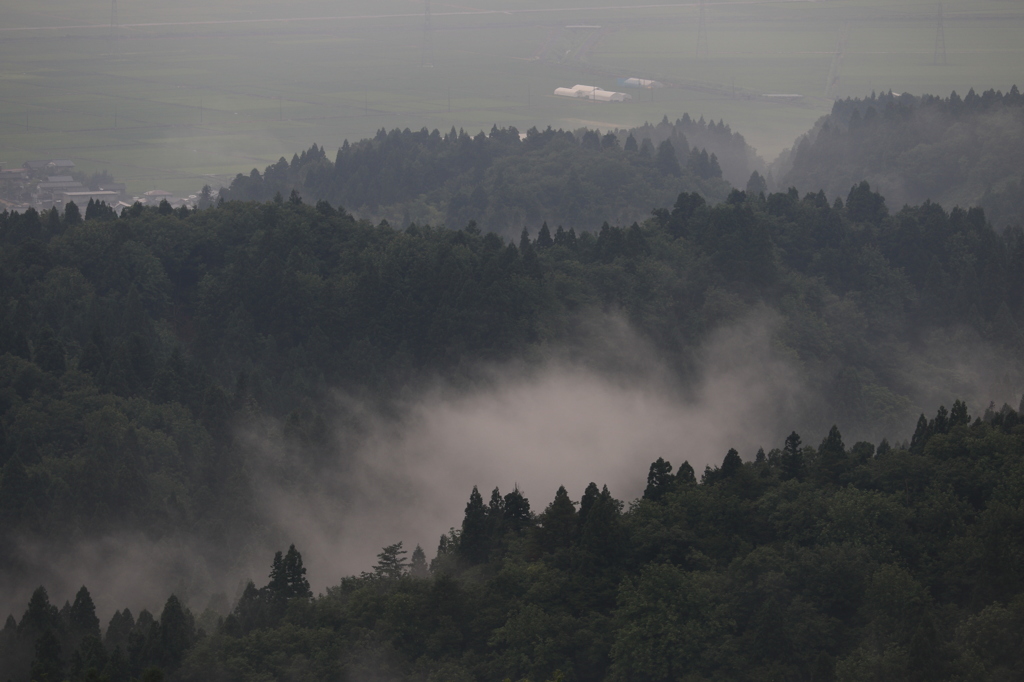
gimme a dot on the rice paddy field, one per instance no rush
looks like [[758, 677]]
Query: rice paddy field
[[175, 95]]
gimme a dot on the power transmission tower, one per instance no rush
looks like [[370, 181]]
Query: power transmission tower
[[427, 58], [940, 39], [702, 35], [832, 83]]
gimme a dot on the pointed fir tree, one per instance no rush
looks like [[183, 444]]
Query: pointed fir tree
[[590, 496], [544, 237], [418, 565], [177, 633], [82, 620], [666, 160], [686, 475], [278, 584], [473, 541], [732, 464], [557, 523], [118, 629], [40, 615], [921, 435], [72, 216], [297, 587]]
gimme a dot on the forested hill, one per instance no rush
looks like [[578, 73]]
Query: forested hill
[[832, 563], [504, 182], [132, 347], [736, 158], [953, 151]]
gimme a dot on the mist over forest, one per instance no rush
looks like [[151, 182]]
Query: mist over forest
[[902, 145], [437, 375]]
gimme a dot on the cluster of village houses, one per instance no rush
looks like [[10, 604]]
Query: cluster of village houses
[[44, 183]]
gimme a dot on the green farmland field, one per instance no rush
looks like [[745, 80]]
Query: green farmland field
[[181, 94]]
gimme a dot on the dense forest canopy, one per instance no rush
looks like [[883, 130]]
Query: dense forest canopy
[[508, 181], [139, 352], [830, 562], [951, 150], [133, 347]]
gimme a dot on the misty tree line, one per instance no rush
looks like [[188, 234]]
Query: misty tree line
[[133, 349], [889, 562], [576, 179], [951, 150]]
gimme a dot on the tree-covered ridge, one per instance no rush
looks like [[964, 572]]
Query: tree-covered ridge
[[132, 348], [950, 150], [736, 158], [835, 562], [502, 181]]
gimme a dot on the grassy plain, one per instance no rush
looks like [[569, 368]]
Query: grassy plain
[[179, 95]]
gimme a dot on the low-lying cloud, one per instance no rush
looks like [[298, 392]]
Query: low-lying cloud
[[564, 422], [600, 410]]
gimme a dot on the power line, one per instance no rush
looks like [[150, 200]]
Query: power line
[[427, 58], [702, 35], [832, 83], [940, 38]]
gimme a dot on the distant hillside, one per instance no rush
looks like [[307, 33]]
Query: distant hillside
[[502, 180], [736, 158], [952, 151]]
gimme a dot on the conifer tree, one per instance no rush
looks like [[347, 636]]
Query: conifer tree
[[473, 541], [756, 184], [732, 464], [48, 665], [418, 566], [600, 540], [921, 435], [590, 496], [117, 666], [495, 520], [517, 514], [82, 620], [557, 524], [89, 658], [832, 459], [278, 584], [40, 615], [792, 459], [72, 216], [177, 632], [666, 160], [297, 587], [544, 237], [659, 480], [958, 415], [391, 562], [686, 474], [118, 630]]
